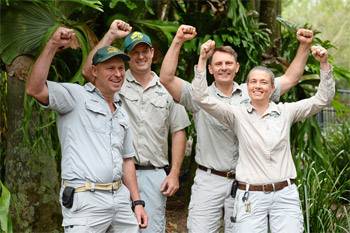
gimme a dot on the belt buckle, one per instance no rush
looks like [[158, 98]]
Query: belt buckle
[[115, 186], [90, 186], [266, 185], [230, 174]]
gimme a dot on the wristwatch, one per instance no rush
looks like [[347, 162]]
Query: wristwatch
[[137, 202]]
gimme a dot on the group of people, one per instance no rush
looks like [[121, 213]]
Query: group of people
[[114, 135]]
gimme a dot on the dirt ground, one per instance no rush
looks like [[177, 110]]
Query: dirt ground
[[176, 216]]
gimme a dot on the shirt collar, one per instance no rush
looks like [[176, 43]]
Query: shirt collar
[[271, 110], [92, 89], [236, 88], [155, 79]]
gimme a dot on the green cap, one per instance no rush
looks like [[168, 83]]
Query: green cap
[[134, 39], [107, 52]]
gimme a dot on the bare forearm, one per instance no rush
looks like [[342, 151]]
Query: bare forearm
[[178, 151], [129, 178], [36, 82], [170, 62], [296, 68]]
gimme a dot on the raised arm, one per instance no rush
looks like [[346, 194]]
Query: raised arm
[[325, 91], [296, 68], [118, 29], [223, 112], [36, 82], [167, 72]]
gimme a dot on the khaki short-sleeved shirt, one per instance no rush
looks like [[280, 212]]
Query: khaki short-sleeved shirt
[[94, 141], [153, 114], [264, 140], [217, 145]]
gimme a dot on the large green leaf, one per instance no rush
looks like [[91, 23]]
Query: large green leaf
[[5, 197], [97, 5], [167, 28], [23, 28]]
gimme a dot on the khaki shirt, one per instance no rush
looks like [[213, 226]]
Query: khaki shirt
[[264, 143], [153, 113], [217, 144], [94, 141]]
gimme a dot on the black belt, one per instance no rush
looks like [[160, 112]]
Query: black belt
[[148, 167], [266, 187], [229, 174]]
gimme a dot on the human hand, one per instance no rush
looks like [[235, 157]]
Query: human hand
[[63, 38], [170, 185], [141, 216], [207, 50], [185, 33], [319, 53], [119, 29], [305, 36]]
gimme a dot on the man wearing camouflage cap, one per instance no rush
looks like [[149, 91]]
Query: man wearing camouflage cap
[[153, 113], [98, 173]]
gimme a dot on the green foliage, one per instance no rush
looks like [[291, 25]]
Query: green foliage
[[5, 221], [23, 27], [323, 168], [332, 17], [235, 27], [322, 161]]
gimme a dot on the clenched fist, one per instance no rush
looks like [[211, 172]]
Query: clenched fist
[[185, 33], [319, 53], [207, 49], [119, 29], [305, 36], [63, 38]]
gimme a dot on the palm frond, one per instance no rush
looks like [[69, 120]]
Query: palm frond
[[23, 28]]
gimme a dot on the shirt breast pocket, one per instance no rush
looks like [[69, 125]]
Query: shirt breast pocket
[[215, 123], [158, 112], [130, 97], [95, 118]]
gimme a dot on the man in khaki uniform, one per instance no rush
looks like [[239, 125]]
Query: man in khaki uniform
[[96, 142], [153, 114], [217, 145]]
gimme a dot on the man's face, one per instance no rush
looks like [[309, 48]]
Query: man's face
[[109, 75], [223, 67], [141, 58], [260, 86]]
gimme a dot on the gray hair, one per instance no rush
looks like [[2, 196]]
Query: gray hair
[[264, 69]]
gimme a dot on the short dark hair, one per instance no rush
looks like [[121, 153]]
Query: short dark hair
[[264, 69], [225, 49]]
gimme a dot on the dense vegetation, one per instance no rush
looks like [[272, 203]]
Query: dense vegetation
[[29, 147]]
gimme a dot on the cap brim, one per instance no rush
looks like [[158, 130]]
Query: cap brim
[[131, 47], [122, 56]]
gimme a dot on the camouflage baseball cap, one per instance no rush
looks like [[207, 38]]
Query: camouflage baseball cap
[[107, 52], [134, 39]]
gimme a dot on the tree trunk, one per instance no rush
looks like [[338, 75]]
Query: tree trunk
[[31, 175], [163, 9], [269, 10]]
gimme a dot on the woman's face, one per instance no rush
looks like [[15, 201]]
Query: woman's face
[[260, 86]]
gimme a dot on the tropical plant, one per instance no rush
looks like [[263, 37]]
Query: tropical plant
[[26, 26]]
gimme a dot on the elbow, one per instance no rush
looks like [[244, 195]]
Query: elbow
[[164, 79], [30, 90]]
